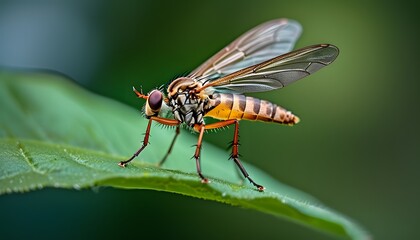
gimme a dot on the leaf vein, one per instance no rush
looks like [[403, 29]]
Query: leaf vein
[[77, 160], [29, 159]]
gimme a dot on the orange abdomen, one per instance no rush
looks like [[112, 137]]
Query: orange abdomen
[[235, 106]]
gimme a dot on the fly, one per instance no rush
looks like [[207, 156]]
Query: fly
[[259, 60]]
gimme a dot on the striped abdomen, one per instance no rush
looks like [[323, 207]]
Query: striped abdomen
[[235, 106]]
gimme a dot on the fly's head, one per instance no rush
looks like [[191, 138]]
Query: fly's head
[[154, 102]]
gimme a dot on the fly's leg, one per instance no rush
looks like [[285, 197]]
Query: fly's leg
[[145, 142], [235, 157], [165, 121], [240, 176], [235, 152], [170, 147], [200, 129]]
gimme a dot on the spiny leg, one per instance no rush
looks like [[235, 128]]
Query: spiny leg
[[235, 152], [145, 142], [237, 170], [170, 147], [165, 121], [235, 157], [200, 129]]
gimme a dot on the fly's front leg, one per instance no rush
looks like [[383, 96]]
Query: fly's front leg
[[170, 122], [145, 142], [200, 129]]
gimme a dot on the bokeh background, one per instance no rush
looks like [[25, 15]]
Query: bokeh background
[[356, 149]]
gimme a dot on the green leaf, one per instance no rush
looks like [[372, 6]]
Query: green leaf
[[55, 134]]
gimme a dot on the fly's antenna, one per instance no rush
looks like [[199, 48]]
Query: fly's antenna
[[139, 94]]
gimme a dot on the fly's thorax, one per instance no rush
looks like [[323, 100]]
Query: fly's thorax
[[181, 85], [187, 107]]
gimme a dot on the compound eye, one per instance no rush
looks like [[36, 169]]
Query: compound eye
[[155, 100]]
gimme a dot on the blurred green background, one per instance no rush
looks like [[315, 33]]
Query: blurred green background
[[356, 148]]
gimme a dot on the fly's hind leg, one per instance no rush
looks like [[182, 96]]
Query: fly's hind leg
[[235, 152], [235, 157]]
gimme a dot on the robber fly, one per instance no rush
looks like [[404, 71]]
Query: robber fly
[[259, 60]]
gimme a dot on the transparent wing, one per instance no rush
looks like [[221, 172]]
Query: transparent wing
[[277, 72], [259, 44]]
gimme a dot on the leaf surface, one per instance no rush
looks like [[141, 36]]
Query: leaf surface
[[55, 134]]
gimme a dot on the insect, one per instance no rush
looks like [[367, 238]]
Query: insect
[[259, 60]]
